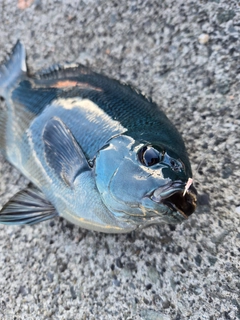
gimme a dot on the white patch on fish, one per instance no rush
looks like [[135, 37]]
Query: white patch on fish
[[91, 111]]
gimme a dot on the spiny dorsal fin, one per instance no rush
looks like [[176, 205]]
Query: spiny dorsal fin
[[74, 70], [62, 71]]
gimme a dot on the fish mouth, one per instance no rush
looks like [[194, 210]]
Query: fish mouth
[[174, 196]]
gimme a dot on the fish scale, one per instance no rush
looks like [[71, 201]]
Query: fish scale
[[98, 153], [117, 104]]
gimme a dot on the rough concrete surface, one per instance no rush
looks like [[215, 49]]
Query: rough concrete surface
[[186, 55]]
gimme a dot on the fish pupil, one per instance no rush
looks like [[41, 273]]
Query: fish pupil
[[149, 156], [173, 163]]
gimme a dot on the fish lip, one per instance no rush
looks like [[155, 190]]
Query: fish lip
[[172, 196]]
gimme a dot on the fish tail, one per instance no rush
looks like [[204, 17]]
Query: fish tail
[[13, 68]]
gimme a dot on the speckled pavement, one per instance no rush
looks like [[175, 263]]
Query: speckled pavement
[[186, 55]]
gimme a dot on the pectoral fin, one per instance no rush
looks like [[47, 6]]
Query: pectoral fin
[[28, 206], [62, 152]]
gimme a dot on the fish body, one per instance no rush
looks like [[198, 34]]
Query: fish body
[[97, 152]]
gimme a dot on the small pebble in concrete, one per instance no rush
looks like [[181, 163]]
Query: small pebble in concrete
[[237, 210], [203, 38]]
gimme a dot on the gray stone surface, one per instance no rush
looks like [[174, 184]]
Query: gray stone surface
[[185, 54]]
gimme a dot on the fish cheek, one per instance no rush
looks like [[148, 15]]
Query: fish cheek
[[131, 183], [122, 181]]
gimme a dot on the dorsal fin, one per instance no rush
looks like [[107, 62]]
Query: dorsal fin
[[62, 71], [13, 68], [74, 70], [10, 71]]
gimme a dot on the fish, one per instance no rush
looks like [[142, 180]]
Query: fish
[[96, 151]]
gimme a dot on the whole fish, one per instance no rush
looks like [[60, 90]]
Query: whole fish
[[97, 152]]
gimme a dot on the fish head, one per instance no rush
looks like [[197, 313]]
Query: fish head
[[144, 183]]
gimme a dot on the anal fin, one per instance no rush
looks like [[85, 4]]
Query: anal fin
[[28, 206]]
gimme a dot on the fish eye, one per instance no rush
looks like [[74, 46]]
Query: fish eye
[[148, 156]]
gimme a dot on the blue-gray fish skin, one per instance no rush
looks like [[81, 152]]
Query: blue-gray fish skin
[[96, 151]]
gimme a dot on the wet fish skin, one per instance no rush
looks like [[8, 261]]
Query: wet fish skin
[[97, 152]]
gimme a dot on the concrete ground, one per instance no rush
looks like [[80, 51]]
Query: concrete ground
[[185, 54]]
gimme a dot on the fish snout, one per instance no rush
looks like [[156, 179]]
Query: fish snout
[[178, 196]]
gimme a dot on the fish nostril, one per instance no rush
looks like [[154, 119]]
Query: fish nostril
[[175, 166], [172, 163]]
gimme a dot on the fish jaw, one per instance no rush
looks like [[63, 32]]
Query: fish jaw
[[177, 198]]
